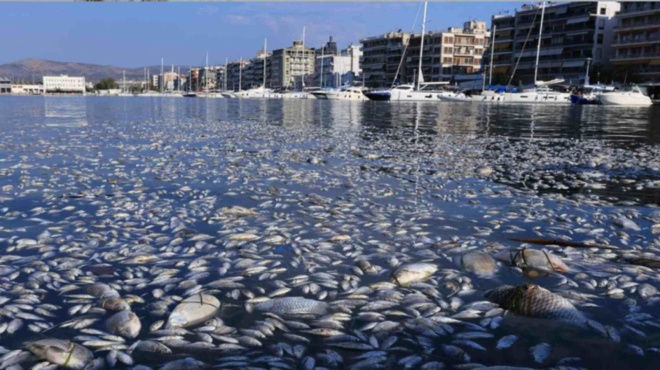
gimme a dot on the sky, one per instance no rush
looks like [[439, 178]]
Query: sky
[[133, 35]]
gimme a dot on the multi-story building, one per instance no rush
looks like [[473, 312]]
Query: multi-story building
[[220, 78], [170, 80], [64, 84], [291, 67], [452, 55], [5, 85], [573, 35], [339, 69], [255, 73], [637, 39], [235, 75], [382, 57]]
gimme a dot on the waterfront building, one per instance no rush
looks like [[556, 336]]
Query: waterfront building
[[27, 89], [235, 75], [381, 58], [339, 68], [5, 85], [637, 39], [453, 55], [64, 84], [573, 34], [253, 71], [292, 67]]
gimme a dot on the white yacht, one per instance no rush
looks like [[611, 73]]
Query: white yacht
[[345, 93], [410, 92], [540, 95], [628, 96], [257, 92]]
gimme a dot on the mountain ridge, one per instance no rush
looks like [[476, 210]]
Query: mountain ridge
[[32, 70]]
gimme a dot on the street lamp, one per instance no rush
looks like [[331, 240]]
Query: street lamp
[[586, 77]]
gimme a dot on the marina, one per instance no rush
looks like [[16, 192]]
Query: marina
[[291, 233]]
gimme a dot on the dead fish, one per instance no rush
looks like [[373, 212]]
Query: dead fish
[[535, 301], [478, 262], [61, 352], [294, 306], [532, 258], [414, 272], [193, 310], [540, 352], [641, 261], [124, 323]]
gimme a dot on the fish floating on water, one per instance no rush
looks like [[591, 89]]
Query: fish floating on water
[[64, 353], [414, 272], [532, 258], [535, 301], [194, 310]]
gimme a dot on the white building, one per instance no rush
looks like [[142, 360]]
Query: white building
[[5, 85], [21, 89], [338, 70], [64, 84]]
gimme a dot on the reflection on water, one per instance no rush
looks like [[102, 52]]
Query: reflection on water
[[65, 111]]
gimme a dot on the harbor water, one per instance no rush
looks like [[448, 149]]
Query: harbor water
[[334, 234]]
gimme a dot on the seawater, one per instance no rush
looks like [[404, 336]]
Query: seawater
[[396, 177]]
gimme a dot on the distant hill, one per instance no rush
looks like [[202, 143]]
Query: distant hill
[[28, 70]]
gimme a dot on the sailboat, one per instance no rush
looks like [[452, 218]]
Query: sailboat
[[540, 94], [256, 92], [411, 92]]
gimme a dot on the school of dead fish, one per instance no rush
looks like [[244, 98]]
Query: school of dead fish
[[248, 245]]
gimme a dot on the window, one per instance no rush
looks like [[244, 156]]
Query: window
[[599, 40], [601, 24], [602, 11]]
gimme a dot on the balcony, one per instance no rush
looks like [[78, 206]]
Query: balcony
[[640, 40], [635, 56], [637, 25]]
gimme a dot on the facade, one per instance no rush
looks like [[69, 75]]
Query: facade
[[170, 80], [253, 71], [64, 84], [572, 34], [292, 67], [452, 55], [235, 75], [637, 39], [5, 85], [341, 69], [28, 89], [381, 58]]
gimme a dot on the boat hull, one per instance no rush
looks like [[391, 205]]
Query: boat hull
[[378, 95], [583, 100], [523, 98], [623, 99]]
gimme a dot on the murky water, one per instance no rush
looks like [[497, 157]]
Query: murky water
[[146, 186]]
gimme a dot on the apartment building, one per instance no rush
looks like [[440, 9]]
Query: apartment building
[[637, 39], [452, 55], [573, 34], [292, 67], [338, 69], [235, 75], [381, 58]]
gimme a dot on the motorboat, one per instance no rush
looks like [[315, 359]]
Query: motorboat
[[344, 93], [632, 95], [190, 94], [588, 94]]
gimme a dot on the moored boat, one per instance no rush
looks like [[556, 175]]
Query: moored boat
[[631, 95]]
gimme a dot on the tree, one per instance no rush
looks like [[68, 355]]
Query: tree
[[106, 84]]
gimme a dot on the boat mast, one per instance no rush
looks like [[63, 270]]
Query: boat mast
[[421, 47], [264, 58], [492, 52], [224, 84], [538, 46], [240, 73], [161, 76], [304, 63], [206, 74], [322, 60]]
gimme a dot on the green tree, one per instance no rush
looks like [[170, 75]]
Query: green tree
[[106, 84]]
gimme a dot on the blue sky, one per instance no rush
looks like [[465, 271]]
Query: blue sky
[[138, 34]]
